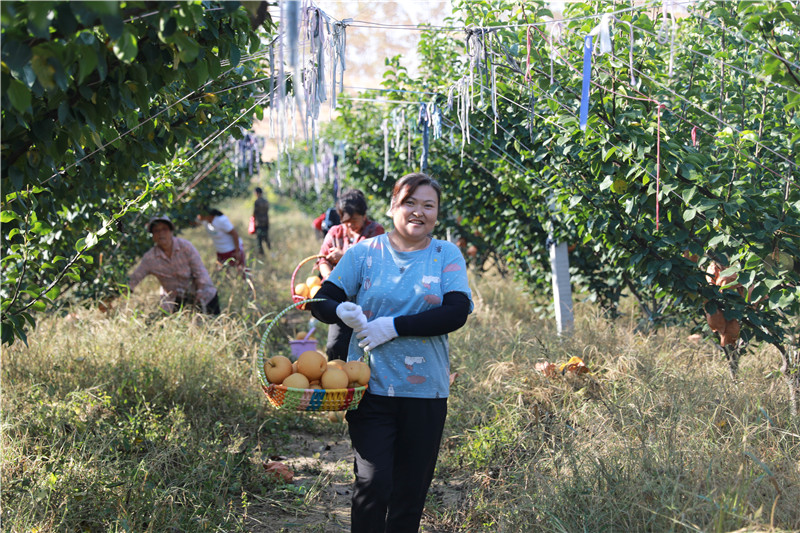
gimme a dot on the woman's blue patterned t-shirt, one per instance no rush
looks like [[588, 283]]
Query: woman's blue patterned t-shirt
[[385, 282]]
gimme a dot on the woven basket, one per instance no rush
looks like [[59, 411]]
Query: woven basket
[[296, 298], [293, 399]]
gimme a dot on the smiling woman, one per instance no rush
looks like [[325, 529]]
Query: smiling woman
[[402, 293]]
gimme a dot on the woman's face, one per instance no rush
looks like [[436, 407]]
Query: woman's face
[[353, 222], [415, 217]]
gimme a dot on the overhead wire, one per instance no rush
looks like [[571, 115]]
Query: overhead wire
[[371, 24], [498, 151], [519, 165], [732, 30], [138, 125], [501, 153], [624, 82], [755, 75]]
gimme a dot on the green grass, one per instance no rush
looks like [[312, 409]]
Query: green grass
[[656, 438], [135, 421]]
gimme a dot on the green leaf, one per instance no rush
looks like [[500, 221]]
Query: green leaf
[[112, 23], [104, 7], [7, 216], [87, 62], [126, 48], [53, 293], [607, 154], [16, 55], [235, 55], [188, 48], [44, 71]]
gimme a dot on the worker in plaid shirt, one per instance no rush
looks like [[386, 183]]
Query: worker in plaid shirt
[[177, 265]]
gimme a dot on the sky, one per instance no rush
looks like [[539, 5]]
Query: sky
[[367, 47]]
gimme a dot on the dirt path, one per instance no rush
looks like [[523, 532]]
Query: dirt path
[[323, 473]]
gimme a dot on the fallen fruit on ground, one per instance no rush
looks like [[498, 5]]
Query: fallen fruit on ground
[[279, 471]]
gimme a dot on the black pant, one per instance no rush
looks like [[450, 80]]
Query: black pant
[[396, 443], [338, 341], [262, 235]]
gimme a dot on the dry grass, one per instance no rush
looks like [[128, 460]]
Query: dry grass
[[655, 438], [140, 422]]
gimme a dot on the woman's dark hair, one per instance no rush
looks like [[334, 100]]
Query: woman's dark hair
[[409, 183], [352, 202], [213, 212]]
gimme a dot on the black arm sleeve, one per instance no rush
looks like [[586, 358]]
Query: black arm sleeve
[[326, 311], [438, 321]]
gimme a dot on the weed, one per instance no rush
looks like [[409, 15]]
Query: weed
[[138, 421]]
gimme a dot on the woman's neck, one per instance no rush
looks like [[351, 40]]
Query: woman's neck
[[404, 245]]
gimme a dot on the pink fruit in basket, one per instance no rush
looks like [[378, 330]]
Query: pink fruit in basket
[[334, 378], [311, 364], [358, 372], [277, 368], [296, 381]]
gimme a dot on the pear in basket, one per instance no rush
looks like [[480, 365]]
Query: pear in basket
[[334, 378], [277, 368], [313, 281], [296, 381], [358, 372], [301, 289], [336, 363], [312, 364]]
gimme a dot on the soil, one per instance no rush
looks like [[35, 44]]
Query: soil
[[323, 476]]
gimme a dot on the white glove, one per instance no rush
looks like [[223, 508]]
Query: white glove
[[377, 332], [352, 315]]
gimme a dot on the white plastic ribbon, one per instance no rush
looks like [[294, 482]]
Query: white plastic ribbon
[[385, 130], [604, 32]]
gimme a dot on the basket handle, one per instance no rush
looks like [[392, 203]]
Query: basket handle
[[262, 344], [297, 269]]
